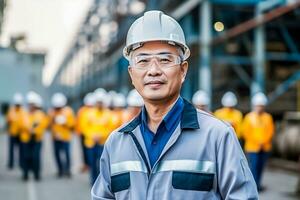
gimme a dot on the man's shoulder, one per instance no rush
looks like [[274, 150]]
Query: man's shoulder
[[211, 124], [117, 134], [210, 119]]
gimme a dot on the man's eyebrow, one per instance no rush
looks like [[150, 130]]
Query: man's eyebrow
[[148, 54]]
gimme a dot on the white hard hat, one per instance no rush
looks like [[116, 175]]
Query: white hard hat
[[119, 100], [100, 95], [34, 98], [89, 99], [134, 99], [58, 100], [200, 98], [155, 26], [229, 99], [39, 102], [17, 99], [108, 100], [259, 99]]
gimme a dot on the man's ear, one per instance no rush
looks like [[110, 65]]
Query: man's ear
[[130, 74], [184, 68]]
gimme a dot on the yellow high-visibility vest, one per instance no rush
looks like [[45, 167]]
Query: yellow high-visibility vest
[[62, 123], [34, 125], [258, 131], [14, 119], [232, 116]]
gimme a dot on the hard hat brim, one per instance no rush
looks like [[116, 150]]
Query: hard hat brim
[[128, 49]]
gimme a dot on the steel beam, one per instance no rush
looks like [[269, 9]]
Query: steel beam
[[288, 39], [185, 8], [283, 87], [256, 21]]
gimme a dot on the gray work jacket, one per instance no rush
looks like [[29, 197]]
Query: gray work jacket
[[202, 160]]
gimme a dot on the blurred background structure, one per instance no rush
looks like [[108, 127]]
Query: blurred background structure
[[245, 46]]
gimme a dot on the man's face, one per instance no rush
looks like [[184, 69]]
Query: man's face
[[259, 108], [99, 105], [57, 109], [17, 106], [157, 82], [31, 107]]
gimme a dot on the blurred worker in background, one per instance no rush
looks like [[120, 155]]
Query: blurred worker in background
[[108, 101], [62, 123], [94, 128], [201, 100], [171, 150], [134, 105], [118, 113], [35, 124], [14, 122], [258, 130], [104, 108], [89, 103], [231, 115]]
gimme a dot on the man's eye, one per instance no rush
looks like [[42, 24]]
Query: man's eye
[[165, 60], [142, 61]]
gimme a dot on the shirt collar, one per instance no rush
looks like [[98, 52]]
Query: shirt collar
[[172, 115], [189, 119]]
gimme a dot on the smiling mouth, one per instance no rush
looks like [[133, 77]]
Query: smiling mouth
[[154, 84]]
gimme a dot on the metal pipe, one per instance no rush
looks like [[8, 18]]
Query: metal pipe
[[205, 48], [298, 97], [259, 57]]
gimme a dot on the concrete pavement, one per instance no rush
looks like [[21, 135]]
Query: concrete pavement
[[280, 184], [49, 188]]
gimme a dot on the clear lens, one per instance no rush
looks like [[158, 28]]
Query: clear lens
[[162, 60]]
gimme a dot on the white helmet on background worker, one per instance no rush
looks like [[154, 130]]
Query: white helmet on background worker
[[119, 100], [39, 102], [200, 98], [17, 99], [34, 98], [108, 100], [58, 100], [155, 26], [134, 99], [259, 99], [100, 95], [89, 99], [229, 99]]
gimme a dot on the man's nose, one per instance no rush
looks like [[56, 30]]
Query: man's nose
[[154, 68]]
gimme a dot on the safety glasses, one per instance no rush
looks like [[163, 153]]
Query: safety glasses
[[162, 60]]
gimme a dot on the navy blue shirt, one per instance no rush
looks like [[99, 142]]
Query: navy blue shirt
[[155, 143]]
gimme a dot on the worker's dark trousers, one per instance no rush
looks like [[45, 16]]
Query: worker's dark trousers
[[31, 159], [84, 151], [93, 155], [257, 162], [13, 145], [62, 156]]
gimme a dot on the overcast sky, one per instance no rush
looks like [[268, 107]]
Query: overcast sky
[[49, 25]]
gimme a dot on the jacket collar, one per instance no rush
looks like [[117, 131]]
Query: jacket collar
[[189, 119]]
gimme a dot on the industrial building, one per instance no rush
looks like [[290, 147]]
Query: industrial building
[[244, 46]]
